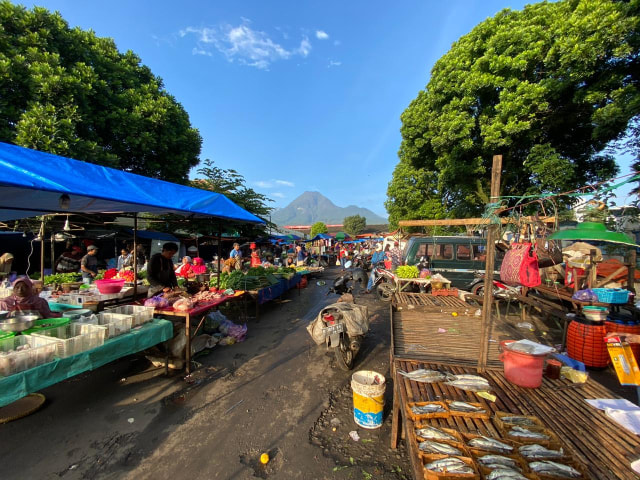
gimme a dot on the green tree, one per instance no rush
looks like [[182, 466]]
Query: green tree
[[318, 227], [548, 87], [67, 91], [354, 224]]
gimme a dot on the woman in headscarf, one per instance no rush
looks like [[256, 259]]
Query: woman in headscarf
[[184, 269], [24, 300], [6, 260], [198, 267]]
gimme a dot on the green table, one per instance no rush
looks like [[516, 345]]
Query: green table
[[16, 386]]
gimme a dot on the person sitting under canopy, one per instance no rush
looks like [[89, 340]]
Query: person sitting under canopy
[[25, 300]]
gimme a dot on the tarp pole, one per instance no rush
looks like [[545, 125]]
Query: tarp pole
[[53, 254], [135, 256], [489, 267], [219, 252], [42, 250]]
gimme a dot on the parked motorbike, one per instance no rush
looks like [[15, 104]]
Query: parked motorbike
[[342, 284], [383, 283], [500, 290], [345, 347]]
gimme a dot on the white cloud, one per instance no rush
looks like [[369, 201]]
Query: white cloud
[[243, 44], [321, 35], [285, 183], [263, 184], [277, 194], [333, 63]]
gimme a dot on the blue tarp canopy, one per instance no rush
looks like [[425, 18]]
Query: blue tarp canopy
[[32, 182], [321, 236], [151, 235]]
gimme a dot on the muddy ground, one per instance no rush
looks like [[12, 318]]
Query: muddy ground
[[277, 392]]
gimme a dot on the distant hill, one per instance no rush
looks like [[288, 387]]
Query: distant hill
[[311, 207]]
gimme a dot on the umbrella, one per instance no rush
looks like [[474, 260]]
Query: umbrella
[[340, 236], [592, 231]]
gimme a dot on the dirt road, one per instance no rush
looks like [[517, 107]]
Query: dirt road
[[277, 393]]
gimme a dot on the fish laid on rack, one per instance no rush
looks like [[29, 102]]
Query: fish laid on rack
[[497, 460], [450, 465], [465, 407], [518, 420], [548, 467], [505, 474], [472, 383], [429, 408], [429, 446], [432, 433], [424, 376], [490, 444], [521, 432], [538, 451]]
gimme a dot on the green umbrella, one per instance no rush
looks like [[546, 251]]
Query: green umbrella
[[340, 236], [592, 231]]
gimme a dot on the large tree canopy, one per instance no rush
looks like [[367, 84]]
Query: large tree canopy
[[69, 92], [548, 87]]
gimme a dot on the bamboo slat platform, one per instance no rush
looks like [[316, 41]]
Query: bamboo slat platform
[[417, 334], [441, 302], [603, 447]]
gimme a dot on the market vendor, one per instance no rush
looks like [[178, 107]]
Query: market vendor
[[236, 255], [300, 256], [125, 259], [396, 256], [89, 264], [255, 256], [69, 261], [184, 269], [198, 267], [24, 299], [160, 272]]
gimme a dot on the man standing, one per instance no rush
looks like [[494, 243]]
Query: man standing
[[236, 254], [89, 264], [160, 272], [396, 256]]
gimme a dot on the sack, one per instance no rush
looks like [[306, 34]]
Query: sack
[[520, 266]]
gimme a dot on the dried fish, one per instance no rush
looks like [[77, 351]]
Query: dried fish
[[497, 460], [433, 433], [538, 451], [518, 420], [428, 408], [429, 446], [473, 383], [521, 432], [451, 465], [505, 474], [424, 376], [554, 468], [465, 407], [490, 444]]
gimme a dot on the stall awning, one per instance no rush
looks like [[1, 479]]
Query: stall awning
[[32, 183], [151, 235], [321, 236]]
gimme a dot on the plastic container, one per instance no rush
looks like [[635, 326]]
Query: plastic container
[[45, 324], [585, 342], [595, 314], [368, 398], [61, 307], [110, 286], [626, 327], [523, 369], [140, 313], [75, 338], [116, 323], [612, 295], [24, 352]]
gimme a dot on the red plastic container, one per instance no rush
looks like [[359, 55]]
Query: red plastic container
[[585, 343], [520, 368], [109, 286]]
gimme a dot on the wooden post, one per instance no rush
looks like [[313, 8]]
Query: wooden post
[[53, 254], [41, 250], [219, 253], [135, 256], [631, 270], [492, 236]]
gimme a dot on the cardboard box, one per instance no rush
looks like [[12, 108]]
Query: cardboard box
[[623, 361]]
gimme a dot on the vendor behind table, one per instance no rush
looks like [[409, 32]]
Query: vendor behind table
[[23, 299], [160, 273], [89, 264]]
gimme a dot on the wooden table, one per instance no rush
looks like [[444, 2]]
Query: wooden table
[[199, 311], [603, 447]]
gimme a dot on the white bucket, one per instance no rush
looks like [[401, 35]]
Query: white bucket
[[368, 398]]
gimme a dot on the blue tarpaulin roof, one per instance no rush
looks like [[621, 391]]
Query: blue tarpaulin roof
[[321, 236], [32, 182], [151, 235]]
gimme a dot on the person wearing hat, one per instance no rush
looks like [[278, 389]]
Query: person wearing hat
[[89, 264], [378, 256]]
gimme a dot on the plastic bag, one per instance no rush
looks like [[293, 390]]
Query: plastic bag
[[586, 295], [157, 302], [230, 329], [213, 321], [183, 305]]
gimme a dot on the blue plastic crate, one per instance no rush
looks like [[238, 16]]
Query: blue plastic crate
[[612, 295]]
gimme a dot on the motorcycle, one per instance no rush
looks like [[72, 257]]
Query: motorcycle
[[384, 283], [345, 346], [500, 290]]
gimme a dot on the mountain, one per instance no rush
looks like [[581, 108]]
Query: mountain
[[311, 207]]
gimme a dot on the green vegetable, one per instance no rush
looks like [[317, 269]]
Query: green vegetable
[[407, 271], [256, 271], [60, 278]]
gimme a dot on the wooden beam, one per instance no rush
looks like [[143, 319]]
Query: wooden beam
[[470, 221], [492, 236]]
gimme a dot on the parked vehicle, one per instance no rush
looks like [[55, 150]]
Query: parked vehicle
[[385, 283], [461, 259]]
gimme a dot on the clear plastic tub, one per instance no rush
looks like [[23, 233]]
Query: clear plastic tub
[[116, 323], [24, 352], [140, 313], [75, 338]]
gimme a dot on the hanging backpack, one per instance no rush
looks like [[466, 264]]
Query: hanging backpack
[[520, 266]]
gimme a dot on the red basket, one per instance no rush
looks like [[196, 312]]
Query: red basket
[[109, 286], [585, 343]]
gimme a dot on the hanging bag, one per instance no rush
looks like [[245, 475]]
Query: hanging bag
[[520, 266]]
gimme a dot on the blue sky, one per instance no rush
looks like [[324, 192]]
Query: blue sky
[[295, 95]]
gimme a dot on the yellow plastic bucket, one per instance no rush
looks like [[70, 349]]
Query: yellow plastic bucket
[[368, 398]]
